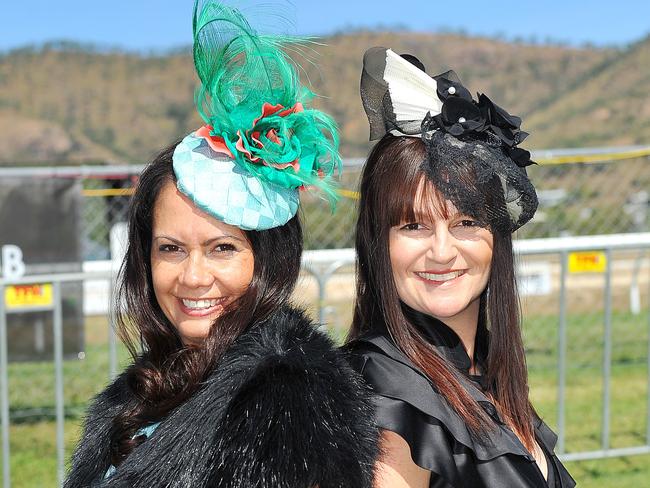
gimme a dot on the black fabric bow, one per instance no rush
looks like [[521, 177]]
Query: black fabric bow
[[461, 115]]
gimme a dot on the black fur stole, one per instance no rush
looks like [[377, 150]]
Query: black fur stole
[[282, 410]]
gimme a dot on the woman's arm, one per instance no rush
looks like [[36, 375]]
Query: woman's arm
[[395, 468]]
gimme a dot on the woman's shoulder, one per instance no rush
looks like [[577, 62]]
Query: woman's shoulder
[[288, 340], [287, 349], [387, 370], [408, 404], [297, 396], [287, 331]]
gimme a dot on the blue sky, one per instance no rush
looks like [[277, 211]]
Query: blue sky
[[163, 24]]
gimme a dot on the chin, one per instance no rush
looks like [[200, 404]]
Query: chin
[[445, 312], [194, 332]]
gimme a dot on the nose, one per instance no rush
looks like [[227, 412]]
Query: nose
[[443, 248], [195, 272]]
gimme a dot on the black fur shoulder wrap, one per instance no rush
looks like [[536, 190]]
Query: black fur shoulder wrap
[[282, 410]]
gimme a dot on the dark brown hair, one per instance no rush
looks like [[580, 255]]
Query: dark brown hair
[[389, 183], [165, 373]]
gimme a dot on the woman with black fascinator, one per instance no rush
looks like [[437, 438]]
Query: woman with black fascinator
[[230, 386], [436, 328]]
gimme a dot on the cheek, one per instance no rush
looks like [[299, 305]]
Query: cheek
[[479, 251], [482, 261], [237, 276], [396, 253], [485, 257], [405, 254], [240, 281], [401, 261], [396, 268], [162, 275]]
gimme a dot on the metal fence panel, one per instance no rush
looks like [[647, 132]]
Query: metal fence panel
[[323, 265], [603, 197]]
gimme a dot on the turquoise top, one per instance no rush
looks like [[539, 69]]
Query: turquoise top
[[145, 431]]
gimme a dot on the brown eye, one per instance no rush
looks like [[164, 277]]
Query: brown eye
[[168, 248], [411, 226], [469, 223], [225, 248]]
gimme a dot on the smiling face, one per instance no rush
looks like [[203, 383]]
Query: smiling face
[[198, 264], [441, 262]]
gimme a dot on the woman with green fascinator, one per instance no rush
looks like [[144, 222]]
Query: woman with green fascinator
[[230, 386]]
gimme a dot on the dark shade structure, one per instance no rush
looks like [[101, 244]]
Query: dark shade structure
[[43, 218]]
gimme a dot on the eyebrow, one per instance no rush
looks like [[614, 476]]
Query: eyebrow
[[423, 216], [204, 243]]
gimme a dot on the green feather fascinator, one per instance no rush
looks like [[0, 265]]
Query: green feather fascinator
[[257, 115]]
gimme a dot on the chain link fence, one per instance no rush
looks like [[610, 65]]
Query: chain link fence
[[581, 192]]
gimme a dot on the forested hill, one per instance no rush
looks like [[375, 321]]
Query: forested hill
[[61, 104]]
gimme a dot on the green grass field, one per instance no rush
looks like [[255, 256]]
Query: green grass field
[[584, 390], [33, 440]]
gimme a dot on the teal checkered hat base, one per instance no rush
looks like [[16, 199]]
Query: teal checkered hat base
[[221, 188]]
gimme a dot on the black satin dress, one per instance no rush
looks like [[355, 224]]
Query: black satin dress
[[439, 440]]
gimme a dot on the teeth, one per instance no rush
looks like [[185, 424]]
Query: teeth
[[440, 277], [196, 304]]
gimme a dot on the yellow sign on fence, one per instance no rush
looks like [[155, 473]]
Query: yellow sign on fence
[[24, 297], [587, 262]]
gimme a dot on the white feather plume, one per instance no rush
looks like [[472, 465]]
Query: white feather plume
[[413, 93]]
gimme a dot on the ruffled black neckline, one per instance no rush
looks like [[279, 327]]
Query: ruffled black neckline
[[405, 394], [449, 345]]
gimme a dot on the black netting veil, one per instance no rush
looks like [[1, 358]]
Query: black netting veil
[[480, 180]]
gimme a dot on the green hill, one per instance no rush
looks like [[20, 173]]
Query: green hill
[[610, 106], [66, 104]]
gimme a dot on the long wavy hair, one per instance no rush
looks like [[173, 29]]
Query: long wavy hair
[[165, 372], [389, 183]]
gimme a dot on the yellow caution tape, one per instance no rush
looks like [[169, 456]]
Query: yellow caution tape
[[594, 158], [354, 195], [117, 192], [108, 192]]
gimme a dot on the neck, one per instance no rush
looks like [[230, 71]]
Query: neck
[[465, 325]]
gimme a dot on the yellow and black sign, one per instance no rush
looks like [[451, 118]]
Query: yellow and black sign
[[25, 297], [587, 262]]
